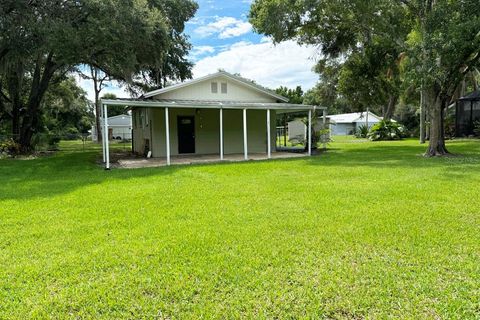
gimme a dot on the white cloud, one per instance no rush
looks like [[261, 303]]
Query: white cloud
[[200, 51], [224, 27], [285, 64]]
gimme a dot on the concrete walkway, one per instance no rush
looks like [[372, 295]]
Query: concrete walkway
[[131, 163]]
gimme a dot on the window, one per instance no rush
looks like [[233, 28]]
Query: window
[[214, 87], [224, 87]]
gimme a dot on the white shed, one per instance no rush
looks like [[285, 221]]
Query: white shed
[[119, 128]]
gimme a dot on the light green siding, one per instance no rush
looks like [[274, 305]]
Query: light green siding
[[207, 131]]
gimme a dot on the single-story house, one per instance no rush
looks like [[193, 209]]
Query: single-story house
[[218, 114], [467, 112], [119, 128], [339, 124], [347, 123]]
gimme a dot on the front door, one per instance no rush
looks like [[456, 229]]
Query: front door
[[186, 134]]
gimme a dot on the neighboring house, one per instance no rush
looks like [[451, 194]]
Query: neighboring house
[[347, 123], [339, 124], [217, 114], [467, 112], [119, 128]]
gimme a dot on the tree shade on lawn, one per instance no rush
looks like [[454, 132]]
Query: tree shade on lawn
[[367, 230]]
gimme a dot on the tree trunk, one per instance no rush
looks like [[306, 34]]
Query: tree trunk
[[97, 87], [422, 116], [436, 145], [392, 102], [98, 113], [31, 118], [15, 82]]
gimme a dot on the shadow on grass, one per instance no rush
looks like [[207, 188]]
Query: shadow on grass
[[61, 173], [67, 171], [465, 157]]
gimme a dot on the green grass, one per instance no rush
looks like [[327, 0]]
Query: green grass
[[367, 230]]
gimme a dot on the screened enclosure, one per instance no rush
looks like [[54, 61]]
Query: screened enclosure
[[467, 113]]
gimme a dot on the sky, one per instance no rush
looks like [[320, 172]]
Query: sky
[[222, 38]]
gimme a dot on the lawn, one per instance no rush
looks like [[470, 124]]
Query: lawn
[[367, 230]]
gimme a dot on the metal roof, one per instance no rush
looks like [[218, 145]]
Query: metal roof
[[208, 104], [235, 78], [353, 117], [474, 96]]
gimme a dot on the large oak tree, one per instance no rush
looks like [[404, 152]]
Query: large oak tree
[[440, 38], [42, 40]]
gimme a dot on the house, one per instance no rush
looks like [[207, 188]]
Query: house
[[347, 123], [219, 114], [467, 112], [119, 128], [339, 125]]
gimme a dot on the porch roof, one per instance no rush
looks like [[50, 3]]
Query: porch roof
[[208, 104]]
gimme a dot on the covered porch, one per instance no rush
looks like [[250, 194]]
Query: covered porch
[[230, 131], [133, 163]]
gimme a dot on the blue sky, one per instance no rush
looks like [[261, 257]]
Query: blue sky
[[222, 38]]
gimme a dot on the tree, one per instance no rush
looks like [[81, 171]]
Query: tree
[[99, 79], [113, 110], [442, 51], [293, 95], [65, 109], [326, 92], [41, 41], [363, 38], [441, 42]]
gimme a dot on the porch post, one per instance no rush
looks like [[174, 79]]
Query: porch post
[[167, 136], [309, 132], [105, 135], [269, 142], [221, 134], [245, 144], [324, 128]]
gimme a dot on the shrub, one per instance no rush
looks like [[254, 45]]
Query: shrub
[[53, 141], [386, 130], [449, 125], [476, 128], [361, 131], [9, 147]]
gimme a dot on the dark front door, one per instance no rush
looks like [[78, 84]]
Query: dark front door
[[186, 134]]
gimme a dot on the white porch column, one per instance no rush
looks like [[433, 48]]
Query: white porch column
[[269, 141], [245, 144], [309, 132], [105, 135], [221, 134], [325, 128], [167, 136]]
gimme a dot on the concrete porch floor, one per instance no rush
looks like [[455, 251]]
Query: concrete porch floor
[[132, 163]]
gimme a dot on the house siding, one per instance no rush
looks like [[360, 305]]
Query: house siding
[[207, 128], [203, 91]]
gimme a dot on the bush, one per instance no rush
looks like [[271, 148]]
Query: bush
[[361, 131], [53, 141], [386, 130], [476, 128], [449, 126], [9, 148]]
